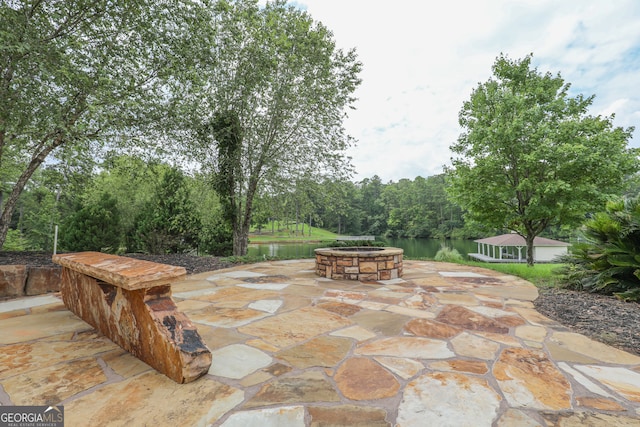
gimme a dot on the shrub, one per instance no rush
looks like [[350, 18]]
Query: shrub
[[15, 241], [95, 227], [447, 254], [609, 261]]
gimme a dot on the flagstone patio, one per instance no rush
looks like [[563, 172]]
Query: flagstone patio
[[445, 345]]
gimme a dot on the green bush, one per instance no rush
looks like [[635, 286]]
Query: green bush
[[609, 261], [168, 222], [447, 254], [95, 227], [216, 237], [15, 241]]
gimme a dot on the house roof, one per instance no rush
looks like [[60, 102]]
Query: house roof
[[512, 239]]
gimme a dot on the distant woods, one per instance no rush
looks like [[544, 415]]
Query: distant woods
[[131, 205]]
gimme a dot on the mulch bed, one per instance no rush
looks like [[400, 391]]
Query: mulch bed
[[602, 318]]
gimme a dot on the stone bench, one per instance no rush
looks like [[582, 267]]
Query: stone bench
[[129, 301]]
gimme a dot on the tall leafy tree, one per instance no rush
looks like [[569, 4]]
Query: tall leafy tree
[[169, 221], [530, 156], [77, 73], [280, 72]]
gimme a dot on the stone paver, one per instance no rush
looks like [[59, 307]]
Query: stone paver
[[445, 345]]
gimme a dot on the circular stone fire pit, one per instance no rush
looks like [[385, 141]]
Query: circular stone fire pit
[[359, 263]]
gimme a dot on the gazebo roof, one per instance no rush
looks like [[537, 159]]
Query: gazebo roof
[[513, 239]]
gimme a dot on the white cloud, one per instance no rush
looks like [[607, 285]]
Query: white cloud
[[423, 59]]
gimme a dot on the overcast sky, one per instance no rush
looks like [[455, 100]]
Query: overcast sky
[[422, 59]]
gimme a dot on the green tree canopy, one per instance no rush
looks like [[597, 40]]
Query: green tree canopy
[[531, 156], [280, 73], [74, 74]]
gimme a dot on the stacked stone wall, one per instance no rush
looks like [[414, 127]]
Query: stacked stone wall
[[23, 280], [369, 267]]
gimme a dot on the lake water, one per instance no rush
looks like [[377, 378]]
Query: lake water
[[413, 248]]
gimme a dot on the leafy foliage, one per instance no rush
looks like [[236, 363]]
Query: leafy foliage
[[288, 84], [447, 254], [15, 241], [530, 156], [75, 75], [95, 227], [168, 222], [609, 261]]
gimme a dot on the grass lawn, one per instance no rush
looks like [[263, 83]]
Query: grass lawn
[[284, 235], [541, 275]]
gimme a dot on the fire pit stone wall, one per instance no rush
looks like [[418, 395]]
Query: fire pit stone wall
[[366, 264]]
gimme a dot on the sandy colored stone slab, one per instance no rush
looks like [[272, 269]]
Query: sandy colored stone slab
[[154, 398], [283, 416], [320, 351], [38, 326], [30, 302], [412, 347], [523, 293], [584, 381], [227, 317], [21, 358], [448, 398], [123, 272], [431, 329], [581, 419], [293, 327], [461, 365], [464, 318], [347, 415], [469, 345], [456, 298], [53, 384], [529, 379], [356, 332], [145, 322], [624, 381], [362, 379], [304, 388], [410, 312], [382, 322], [531, 333], [403, 367], [237, 361], [564, 354], [516, 418], [341, 308], [599, 403], [594, 349], [125, 364]]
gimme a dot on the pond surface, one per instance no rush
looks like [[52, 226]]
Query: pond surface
[[413, 248]]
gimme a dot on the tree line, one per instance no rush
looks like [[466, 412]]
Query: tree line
[[132, 204]]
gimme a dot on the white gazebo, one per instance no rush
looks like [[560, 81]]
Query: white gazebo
[[513, 248]]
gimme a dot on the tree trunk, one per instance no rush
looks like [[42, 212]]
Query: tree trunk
[[240, 242], [529, 239], [33, 165]]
